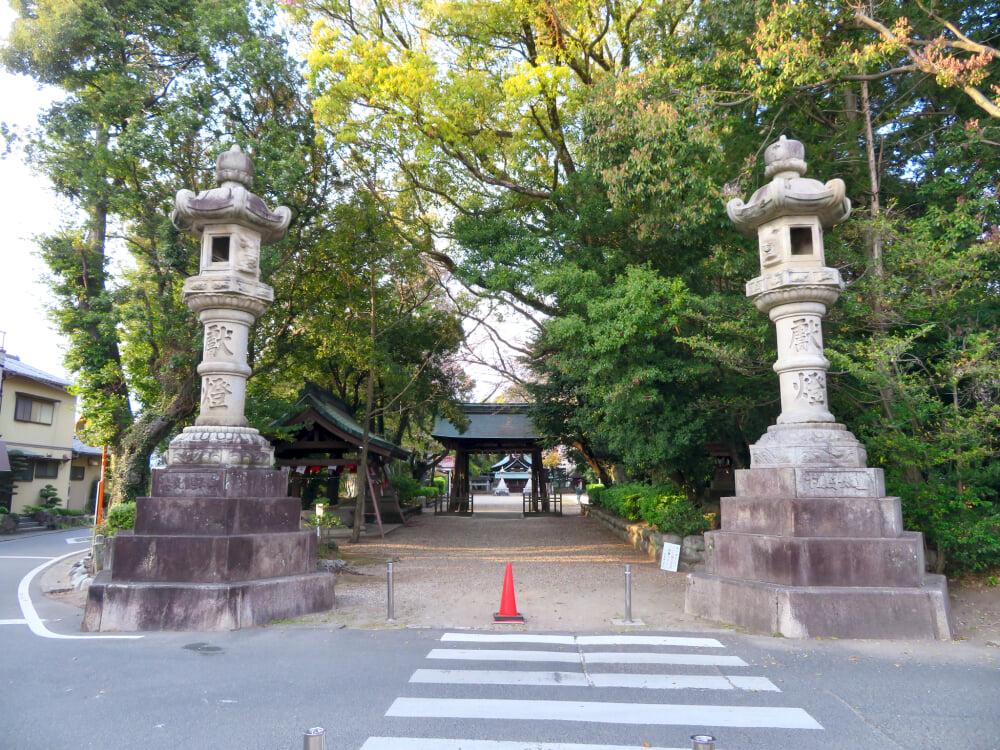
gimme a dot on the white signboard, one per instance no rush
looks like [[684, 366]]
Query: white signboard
[[671, 557]]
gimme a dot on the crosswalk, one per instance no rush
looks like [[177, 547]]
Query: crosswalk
[[544, 681]]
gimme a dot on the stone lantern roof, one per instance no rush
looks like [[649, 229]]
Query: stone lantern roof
[[789, 193], [231, 202]]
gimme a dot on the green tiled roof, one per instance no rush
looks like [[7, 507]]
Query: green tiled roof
[[334, 412], [505, 422]]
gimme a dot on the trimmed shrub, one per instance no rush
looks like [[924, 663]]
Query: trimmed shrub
[[49, 496], [665, 508], [120, 517], [406, 487], [672, 512]]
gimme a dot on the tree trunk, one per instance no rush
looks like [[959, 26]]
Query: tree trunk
[[130, 455], [362, 483], [876, 268], [602, 473]]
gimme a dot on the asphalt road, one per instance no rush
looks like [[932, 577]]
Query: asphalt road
[[397, 689]]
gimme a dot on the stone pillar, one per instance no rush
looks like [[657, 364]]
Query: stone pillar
[[217, 545], [810, 545]]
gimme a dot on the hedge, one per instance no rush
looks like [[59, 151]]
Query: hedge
[[664, 507]]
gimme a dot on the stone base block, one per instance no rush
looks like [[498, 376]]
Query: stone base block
[[212, 559], [816, 561], [796, 516], [920, 612], [219, 481], [205, 516], [130, 606], [820, 444], [220, 446], [834, 483]]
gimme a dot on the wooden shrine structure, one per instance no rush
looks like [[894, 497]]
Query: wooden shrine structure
[[493, 428], [327, 437]]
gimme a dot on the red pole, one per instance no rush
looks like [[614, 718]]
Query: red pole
[[100, 486]]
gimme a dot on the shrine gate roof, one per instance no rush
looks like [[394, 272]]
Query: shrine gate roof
[[491, 427]]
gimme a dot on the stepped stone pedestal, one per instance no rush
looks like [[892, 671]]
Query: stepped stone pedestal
[[810, 545], [217, 545], [809, 552], [212, 549]]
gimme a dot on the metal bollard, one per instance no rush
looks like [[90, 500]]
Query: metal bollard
[[628, 593], [314, 738], [391, 615], [702, 742]]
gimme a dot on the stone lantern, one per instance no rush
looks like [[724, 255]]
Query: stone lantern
[[228, 297], [218, 544], [810, 545]]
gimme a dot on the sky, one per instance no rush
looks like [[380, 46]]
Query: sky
[[29, 208]]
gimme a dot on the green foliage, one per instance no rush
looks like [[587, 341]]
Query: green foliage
[[406, 487], [18, 463], [664, 508], [594, 492], [442, 484], [49, 497], [671, 511], [120, 517], [431, 491], [74, 512], [328, 520]]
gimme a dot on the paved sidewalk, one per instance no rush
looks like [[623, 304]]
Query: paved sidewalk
[[569, 574]]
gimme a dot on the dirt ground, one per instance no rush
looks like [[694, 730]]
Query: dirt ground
[[569, 575]]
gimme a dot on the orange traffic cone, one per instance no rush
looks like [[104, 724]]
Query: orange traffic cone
[[508, 607]]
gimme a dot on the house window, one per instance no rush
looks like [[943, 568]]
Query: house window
[[28, 409], [46, 469], [26, 474], [76, 473]]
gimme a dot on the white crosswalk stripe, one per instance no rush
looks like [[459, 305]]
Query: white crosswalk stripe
[[435, 743], [573, 657], [653, 714], [595, 670], [582, 640], [578, 679]]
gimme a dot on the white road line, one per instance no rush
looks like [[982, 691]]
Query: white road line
[[437, 743], [583, 640], [562, 640], [759, 684], [35, 622], [682, 682], [578, 679], [573, 657], [498, 677], [461, 654], [647, 640], [658, 714], [614, 657], [26, 557], [13, 622]]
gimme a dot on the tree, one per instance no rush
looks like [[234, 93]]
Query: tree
[[154, 89]]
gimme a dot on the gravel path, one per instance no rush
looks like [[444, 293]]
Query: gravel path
[[569, 574]]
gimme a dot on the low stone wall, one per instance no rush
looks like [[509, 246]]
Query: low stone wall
[[650, 541]]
